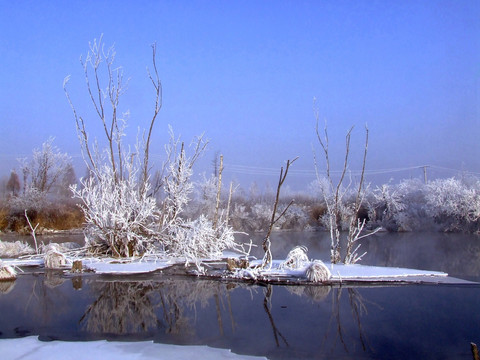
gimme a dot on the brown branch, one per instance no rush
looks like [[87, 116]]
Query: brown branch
[[273, 220]]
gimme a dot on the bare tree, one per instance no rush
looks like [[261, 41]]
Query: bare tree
[[267, 259], [106, 102], [334, 194]]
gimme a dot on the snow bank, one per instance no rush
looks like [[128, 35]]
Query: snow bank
[[342, 273], [358, 272], [119, 267], [31, 348]]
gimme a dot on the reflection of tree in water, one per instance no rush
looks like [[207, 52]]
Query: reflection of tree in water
[[312, 292], [267, 304], [358, 309], [357, 306], [6, 286], [47, 299], [121, 308], [142, 306]]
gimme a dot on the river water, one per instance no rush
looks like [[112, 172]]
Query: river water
[[316, 322]]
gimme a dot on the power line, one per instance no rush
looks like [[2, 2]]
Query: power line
[[256, 170]]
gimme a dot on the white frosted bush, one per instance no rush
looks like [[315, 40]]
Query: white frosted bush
[[452, 202], [54, 258], [7, 272], [318, 272], [120, 220], [14, 249], [296, 258], [196, 240]]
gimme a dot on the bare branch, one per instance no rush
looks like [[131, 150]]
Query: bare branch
[[266, 242]]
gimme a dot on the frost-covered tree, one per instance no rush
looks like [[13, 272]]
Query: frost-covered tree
[[41, 173], [453, 204], [126, 212], [67, 179], [120, 221], [122, 227], [386, 205], [45, 168], [335, 194]]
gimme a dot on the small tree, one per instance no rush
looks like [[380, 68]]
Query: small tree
[[124, 226], [13, 184], [267, 259], [41, 174], [334, 194]]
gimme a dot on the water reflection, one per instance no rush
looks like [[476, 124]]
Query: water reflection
[[271, 321], [267, 305], [6, 286], [149, 306]]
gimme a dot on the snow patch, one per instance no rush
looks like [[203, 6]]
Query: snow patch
[[33, 349], [119, 267]]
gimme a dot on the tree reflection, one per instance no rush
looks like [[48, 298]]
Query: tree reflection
[[146, 306], [267, 304], [356, 303], [6, 286], [358, 309], [171, 305]]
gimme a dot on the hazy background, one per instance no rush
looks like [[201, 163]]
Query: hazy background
[[246, 73]]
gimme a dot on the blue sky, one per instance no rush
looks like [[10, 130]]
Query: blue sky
[[246, 73]]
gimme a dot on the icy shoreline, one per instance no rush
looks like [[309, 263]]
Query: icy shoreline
[[32, 348], [340, 273]]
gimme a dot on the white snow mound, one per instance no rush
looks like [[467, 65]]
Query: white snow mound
[[30, 348]]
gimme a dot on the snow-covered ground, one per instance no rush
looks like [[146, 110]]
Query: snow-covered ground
[[31, 348], [339, 272]]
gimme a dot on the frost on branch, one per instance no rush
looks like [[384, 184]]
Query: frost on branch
[[453, 203], [318, 272], [119, 202], [7, 272], [296, 258], [120, 220], [190, 239]]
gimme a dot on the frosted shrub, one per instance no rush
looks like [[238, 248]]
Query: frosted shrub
[[54, 258], [414, 215], [296, 258], [31, 199], [197, 239], [386, 205], [206, 193], [261, 214], [15, 249], [7, 272], [240, 218], [120, 220], [295, 218], [121, 213], [453, 204], [318, 272]]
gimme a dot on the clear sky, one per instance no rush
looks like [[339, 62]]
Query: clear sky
[[246, 73]]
